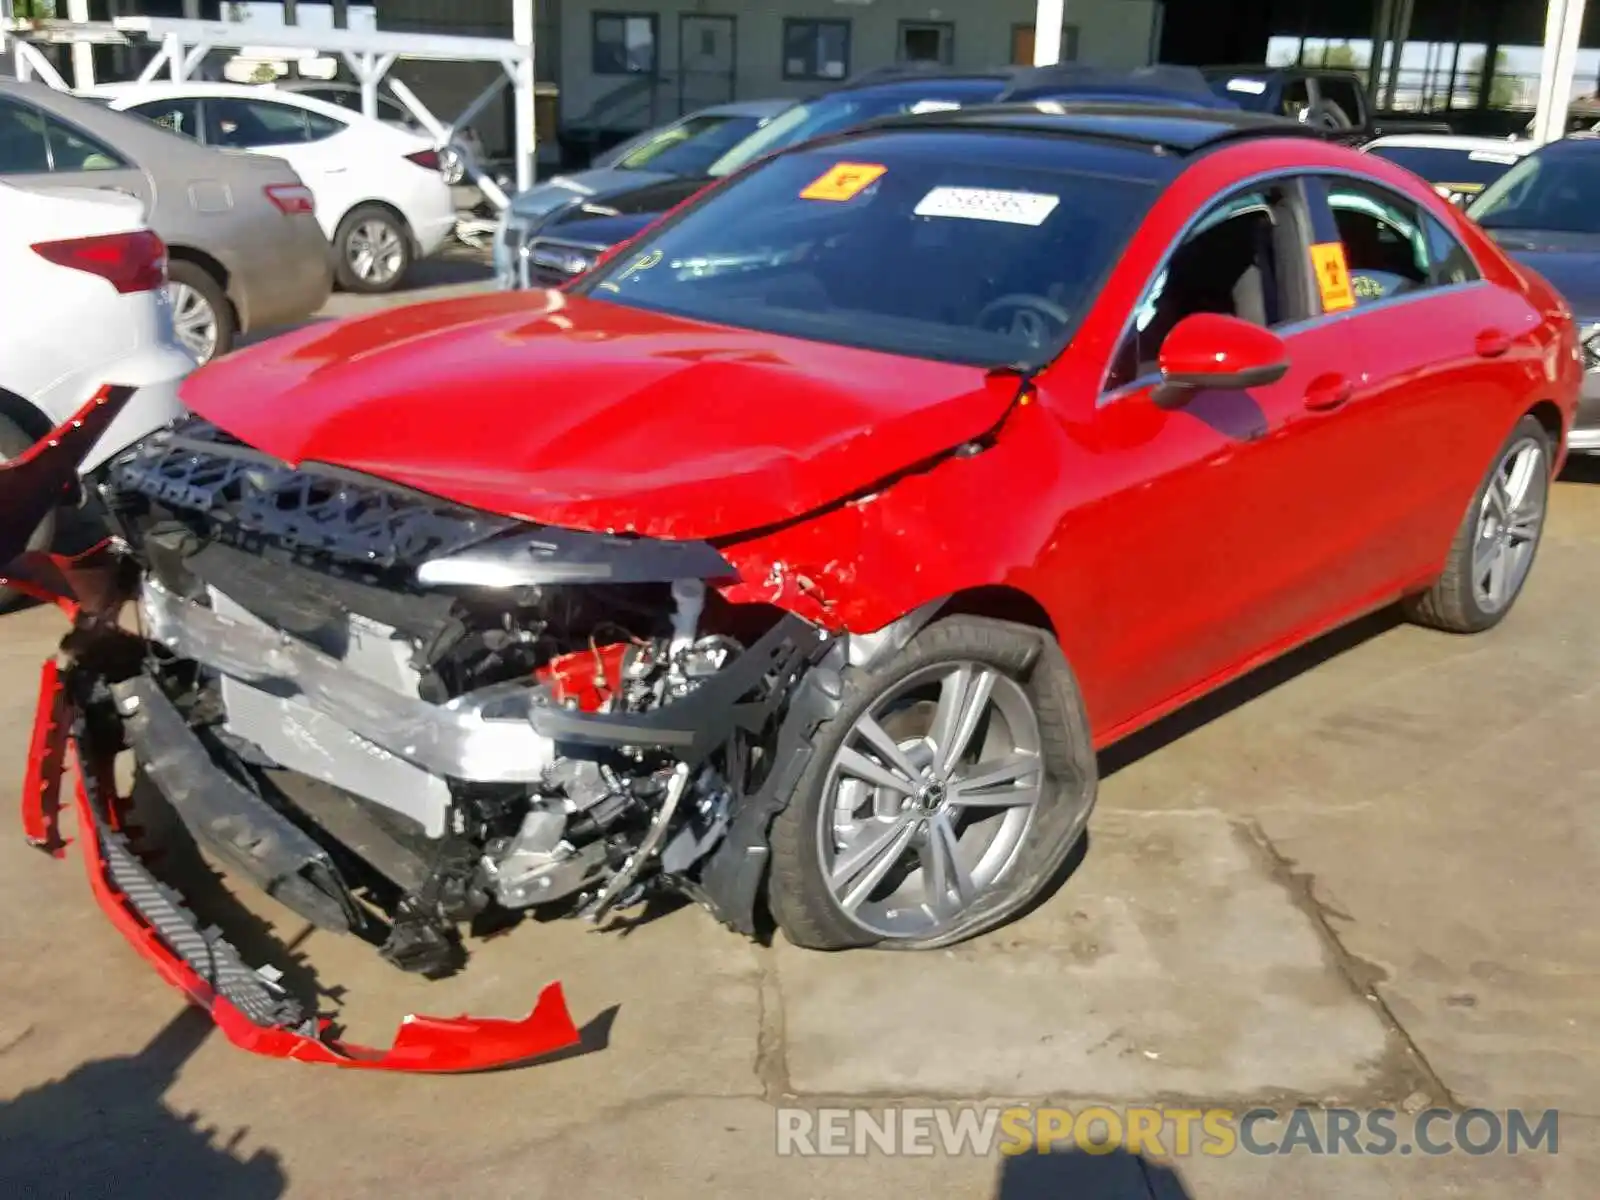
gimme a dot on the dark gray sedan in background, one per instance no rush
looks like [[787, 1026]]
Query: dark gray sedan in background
[[245, 250], [1546, 212]]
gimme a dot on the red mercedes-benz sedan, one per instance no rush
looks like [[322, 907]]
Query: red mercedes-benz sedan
[[803, 552]]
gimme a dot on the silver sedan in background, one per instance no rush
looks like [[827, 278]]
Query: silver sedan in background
[[245, 250]]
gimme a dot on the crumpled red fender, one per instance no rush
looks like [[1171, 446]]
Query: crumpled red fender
[[29, 486]]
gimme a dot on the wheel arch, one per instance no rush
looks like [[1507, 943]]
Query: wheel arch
[[25, 415], [1001, 602], [1548, 414], [213, 267]]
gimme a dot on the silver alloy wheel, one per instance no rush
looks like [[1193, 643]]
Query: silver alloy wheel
[[1509, 522], [375, 252], [929, 799], [194, 321]]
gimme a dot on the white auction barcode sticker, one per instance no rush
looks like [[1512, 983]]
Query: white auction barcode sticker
[[988, 204]]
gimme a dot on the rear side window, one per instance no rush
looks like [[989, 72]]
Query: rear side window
[[1392, 246], [247, 124], [35, 143], [179, 116], [1385, 244], [389, 110], [23, 149], [73, 150], [1448, 258], [319, 126]]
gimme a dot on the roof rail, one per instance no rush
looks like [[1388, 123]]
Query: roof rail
[[1160, 79], [1176, 129], [896, 72]]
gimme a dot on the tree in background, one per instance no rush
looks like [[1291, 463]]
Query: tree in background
[[1342, 56], [1502, 92], [34, 10]]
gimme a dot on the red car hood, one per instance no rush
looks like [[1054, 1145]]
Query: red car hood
[[578, 413]]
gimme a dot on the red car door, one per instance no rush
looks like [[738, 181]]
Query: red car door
[[1214, 518], [1440, 350]]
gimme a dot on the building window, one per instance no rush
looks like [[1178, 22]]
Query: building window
[[626, 43], [1022, 44], [927, 42], [816, 49]]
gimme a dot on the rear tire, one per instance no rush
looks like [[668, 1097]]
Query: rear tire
[[372, 250], [13, 443], [198, 302], [985, 852], [1494, 548]]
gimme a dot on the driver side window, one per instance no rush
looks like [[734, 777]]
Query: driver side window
[[1229, 263]]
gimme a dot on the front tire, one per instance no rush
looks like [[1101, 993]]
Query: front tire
[[372, 250], [941, 799], [1495, 545], [13, 443]]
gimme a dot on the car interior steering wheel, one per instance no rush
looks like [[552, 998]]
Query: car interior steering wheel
[[1032, 316]]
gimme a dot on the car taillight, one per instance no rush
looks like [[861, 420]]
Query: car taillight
[[130, 262], [291, 198], [427, 159]]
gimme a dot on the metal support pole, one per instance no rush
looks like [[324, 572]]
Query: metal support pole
[[153, 67], [369, 71], [1402, 32], [525, 133], [31, 62], [1049, 16], [82, 52], [1562, 33], [192, 59], [1382, 26]]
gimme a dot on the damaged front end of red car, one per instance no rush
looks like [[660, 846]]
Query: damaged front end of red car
[[78, 724], [403, 718]]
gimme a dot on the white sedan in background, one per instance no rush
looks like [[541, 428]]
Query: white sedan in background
[[83, 285], [380, 194], [1457, 167]]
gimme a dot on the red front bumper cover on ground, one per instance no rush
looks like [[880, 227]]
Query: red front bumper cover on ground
[[246, 1006]]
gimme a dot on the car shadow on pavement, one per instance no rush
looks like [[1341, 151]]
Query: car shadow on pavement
[[106, 1130], [1113, 1174], [448, 270], [1581, 468], [1240, 692]]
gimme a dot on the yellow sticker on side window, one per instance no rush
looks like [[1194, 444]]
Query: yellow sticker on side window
[[845, 181], [1333, 276]]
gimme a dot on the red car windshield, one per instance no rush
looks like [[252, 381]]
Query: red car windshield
[[952, 246]]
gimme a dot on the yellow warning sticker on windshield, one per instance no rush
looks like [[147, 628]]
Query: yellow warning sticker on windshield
[[845, 181], [1333, 276]]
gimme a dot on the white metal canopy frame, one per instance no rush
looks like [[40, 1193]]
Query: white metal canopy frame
[[1563, 32], [184, 44]]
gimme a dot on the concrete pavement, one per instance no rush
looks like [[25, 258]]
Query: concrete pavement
[[1363, 877]]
